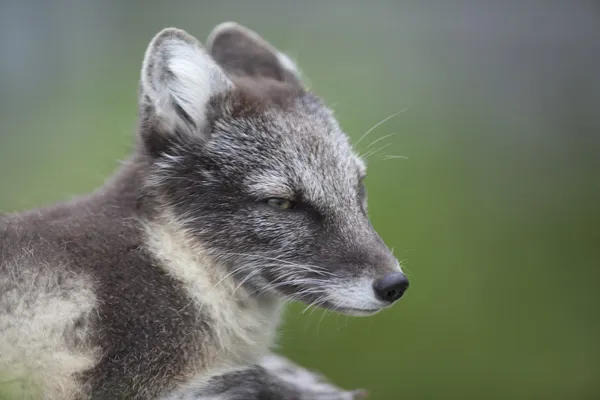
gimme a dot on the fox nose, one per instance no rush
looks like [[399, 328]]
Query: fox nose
[[391, 287]]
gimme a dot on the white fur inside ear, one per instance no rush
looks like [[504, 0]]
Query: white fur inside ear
[[178, 73], [196, 78]]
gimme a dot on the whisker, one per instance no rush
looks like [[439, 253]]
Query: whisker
[[373, 152], [380, 139], [308, 267], [274, 285], [392, 157], [315, 305], [319, 304], [321, 320], [243, 281], [235, 271], [364, 135]]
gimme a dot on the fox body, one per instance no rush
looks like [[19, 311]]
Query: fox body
[[242, 193]]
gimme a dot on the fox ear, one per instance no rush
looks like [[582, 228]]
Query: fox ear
[[178, 80], [242, 52]]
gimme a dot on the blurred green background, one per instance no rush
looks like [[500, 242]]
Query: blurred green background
[[496, 212]]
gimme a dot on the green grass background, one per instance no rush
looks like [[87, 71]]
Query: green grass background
[[495, 214]]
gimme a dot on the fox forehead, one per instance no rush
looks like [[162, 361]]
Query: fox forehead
[[285, 152]]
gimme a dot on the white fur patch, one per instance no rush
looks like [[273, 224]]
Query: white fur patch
[[41, 347], [244, 326], [354, 296], [177, 71], [311, 385]]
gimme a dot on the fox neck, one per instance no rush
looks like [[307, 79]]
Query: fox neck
[[243, 322]]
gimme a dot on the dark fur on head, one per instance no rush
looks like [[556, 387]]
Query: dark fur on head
[[256, 133]]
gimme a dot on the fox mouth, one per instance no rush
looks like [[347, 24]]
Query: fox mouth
[[357, 312], [355, 303], [338, 308], [351, 311], [363, 296]]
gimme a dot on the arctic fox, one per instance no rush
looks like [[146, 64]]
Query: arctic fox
[[242, 193]]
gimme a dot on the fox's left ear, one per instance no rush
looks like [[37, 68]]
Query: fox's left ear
[[242, 52], [179, 78]]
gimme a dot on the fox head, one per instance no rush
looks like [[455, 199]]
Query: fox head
[[256, 168]]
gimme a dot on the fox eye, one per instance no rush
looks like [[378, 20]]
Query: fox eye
[[280, 203]]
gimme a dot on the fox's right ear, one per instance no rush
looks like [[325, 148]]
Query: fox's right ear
[[178, 80], [242, 52]]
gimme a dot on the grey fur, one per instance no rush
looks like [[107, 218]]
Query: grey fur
[[167, 281]]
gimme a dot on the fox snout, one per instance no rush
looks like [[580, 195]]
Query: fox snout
[[389, 282], [367, 277], [390, 287]]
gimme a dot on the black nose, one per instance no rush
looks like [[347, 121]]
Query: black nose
[[391, 287]]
